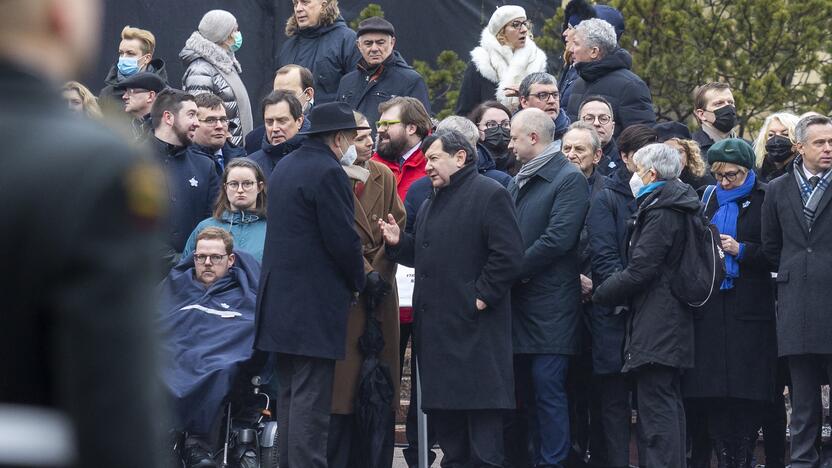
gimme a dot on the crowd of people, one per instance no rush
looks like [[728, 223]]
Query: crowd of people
[[543, 226]]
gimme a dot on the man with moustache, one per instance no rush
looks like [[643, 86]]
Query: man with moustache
[[193, 183], [403, 124]]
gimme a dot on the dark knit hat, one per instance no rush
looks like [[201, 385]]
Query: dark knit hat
[[732, 150], [375, 24], [576, 11], [144, 80], [668, 130], [612, 16]]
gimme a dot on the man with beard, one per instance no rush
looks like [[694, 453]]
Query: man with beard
[[540, 90], [210, 139], [716, 112], [403, 124], [192, 181]]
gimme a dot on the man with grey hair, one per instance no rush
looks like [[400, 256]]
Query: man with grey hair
[[797, 235], [551, 198], [540, 90], [604, 69], [659, 343]]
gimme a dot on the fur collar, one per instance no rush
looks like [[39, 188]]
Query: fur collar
[[212, 53], [499, 64]]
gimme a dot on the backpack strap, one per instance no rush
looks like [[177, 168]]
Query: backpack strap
[[706, 196]]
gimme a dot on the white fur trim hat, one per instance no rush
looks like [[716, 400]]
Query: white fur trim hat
[[503, 15], [217, 25]]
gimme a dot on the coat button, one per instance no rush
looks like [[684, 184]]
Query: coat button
[[375, 217], [809, 249], [426, 245]]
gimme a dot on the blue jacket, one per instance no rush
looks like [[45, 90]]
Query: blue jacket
[[269, 154], [545, 301], [207, 335], [193, 185], [420, 190], [328, 51], [313, 263], [248, 231], [228, 152], [364, 91]]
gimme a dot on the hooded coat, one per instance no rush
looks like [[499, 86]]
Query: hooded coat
[[494, 67], [211, 69], [660, 327], [367, 87], [328, 51], [611, 78], [467, 246]]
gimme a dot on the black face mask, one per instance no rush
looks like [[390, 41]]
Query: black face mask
[[497, 138], [725, 118], [779, 149]]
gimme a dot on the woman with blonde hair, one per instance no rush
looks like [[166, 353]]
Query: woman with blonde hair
[[694, 172], [774, 145], [506, 54], [80, 99]]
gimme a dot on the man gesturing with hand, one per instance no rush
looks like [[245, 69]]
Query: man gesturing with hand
[[467, 252]]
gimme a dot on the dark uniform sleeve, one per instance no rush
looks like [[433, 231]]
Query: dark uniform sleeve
[[335, 207], [649, 255], [103, 335], [505, 249]]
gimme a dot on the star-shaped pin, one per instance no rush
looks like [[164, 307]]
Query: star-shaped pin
[[194, 182]]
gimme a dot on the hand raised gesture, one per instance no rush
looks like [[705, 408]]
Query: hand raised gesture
[[389, 230]]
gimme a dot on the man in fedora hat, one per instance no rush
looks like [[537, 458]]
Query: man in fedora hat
[[313, 268]]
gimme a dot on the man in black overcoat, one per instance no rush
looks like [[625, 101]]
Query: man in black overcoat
[[467, 251], [313, 268], [797, 236]]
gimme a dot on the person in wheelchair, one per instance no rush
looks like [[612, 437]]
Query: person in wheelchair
[[207, 324]]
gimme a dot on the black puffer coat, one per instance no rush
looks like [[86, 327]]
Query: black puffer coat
[[611, 78], [660, 328]]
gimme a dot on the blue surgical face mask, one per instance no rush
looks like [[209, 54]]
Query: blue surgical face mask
[[128, 65], [238, 41]]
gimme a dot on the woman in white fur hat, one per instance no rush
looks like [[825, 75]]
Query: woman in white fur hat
[[506, 54]]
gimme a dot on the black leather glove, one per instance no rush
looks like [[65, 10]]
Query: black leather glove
[[375, 289]]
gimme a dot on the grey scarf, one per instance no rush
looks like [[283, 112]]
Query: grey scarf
[[811, 195], [528, 170]]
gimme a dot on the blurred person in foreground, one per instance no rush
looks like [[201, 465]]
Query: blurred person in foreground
[[76, 335]]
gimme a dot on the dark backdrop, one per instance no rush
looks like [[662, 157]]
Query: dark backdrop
[[423, 28]]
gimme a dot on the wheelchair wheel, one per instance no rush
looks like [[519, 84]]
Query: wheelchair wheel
[[269, 456]]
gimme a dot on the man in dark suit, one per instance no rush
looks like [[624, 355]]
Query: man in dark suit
[[313, 268], [552, 197], [797, 235], [78, 367]]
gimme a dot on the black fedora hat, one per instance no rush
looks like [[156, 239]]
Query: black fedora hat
[[332, 117]]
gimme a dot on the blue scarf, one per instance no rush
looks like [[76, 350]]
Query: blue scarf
[[725, 220], [650, 187]]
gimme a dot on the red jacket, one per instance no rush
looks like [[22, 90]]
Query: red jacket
[[413, 169]]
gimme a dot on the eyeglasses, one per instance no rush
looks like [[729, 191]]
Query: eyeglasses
[[214, 120], [200, 258], [544, 96], [247, 184], [506, 124], [602, 118], [519, 24], [387, 123], [729, 176]]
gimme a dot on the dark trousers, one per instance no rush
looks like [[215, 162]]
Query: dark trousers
[[612, 444], [411, 452], [303, 410], [541, 383], [340, 440], [470, 438], [808, 372], [661, 416]]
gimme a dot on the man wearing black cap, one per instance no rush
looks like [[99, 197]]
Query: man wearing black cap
[[382, 72], [313, 268], [140, 92]]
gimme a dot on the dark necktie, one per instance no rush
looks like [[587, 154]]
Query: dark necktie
[[813, 181]]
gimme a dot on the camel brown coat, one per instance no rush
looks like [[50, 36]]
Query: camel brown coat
[[378, 198]]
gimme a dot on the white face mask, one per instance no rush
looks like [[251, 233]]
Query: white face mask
[[348, 157], [636, 184]]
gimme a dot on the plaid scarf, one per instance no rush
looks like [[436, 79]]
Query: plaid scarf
[[811, 196]]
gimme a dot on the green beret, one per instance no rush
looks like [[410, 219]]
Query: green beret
[[734, 151]]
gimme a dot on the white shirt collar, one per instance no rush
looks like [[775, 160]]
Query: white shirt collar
[[807, 173], [411, 151]]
